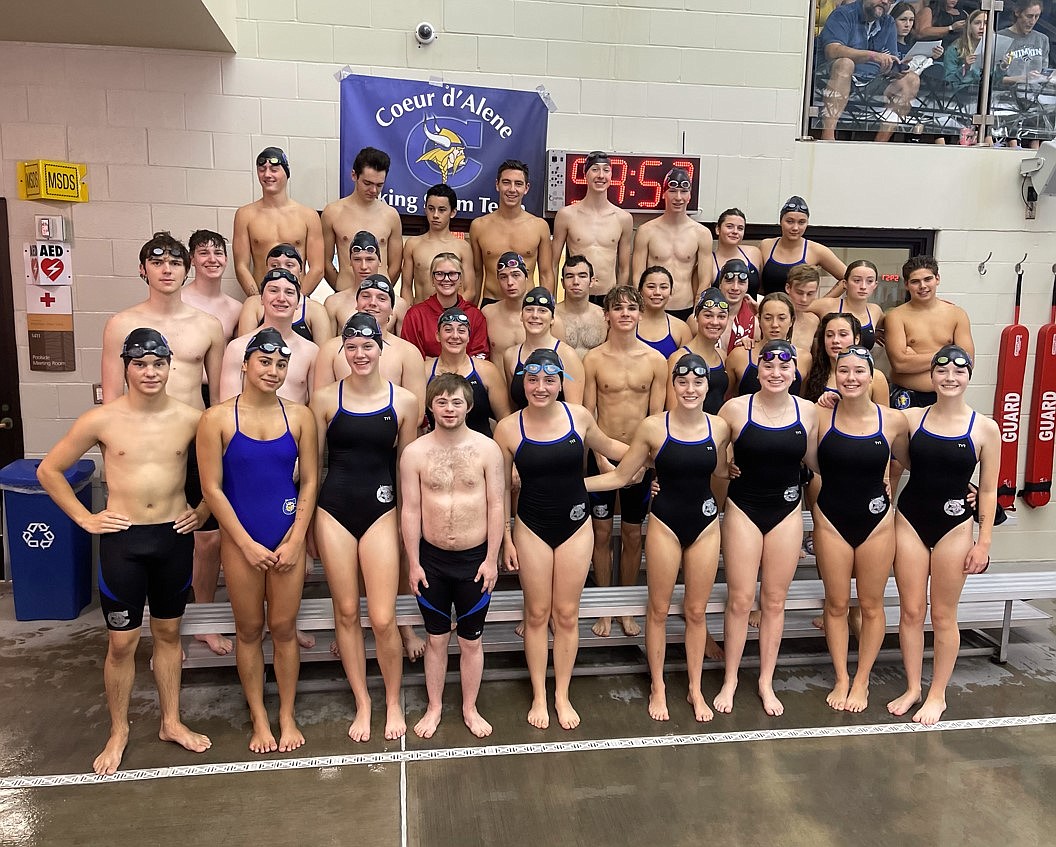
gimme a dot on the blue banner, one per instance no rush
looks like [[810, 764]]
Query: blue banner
[[457, 134]]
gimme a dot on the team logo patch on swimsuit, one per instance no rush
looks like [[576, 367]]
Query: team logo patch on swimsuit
[[954, 508], [709, 508], [289, 506], [384, 494], [791, 494], [877, 505], [578, 512], [118, 620], [901, 399], [601, 511]]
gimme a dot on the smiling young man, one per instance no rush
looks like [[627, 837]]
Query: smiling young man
[[510, 229], [311, 322], [364, 261], [419, 326], [585, 326], [597, 229], [363, 209], [275, 219], [677, 242], [209, 259], [441, 204], [503, 317]]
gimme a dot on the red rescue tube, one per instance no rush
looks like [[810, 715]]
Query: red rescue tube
[[1038, 484], [1008, 398]]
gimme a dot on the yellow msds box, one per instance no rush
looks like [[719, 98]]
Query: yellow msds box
[[43, 179]]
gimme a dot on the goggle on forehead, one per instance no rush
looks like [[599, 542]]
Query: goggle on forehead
[[794, 207], [534, 368], [270, 160], [686, 370], [779, 355], [271, 347], [683, 184], [860, 352], [712, 303], [176, 251], [538, 300], [364, 248], [511, 263], [284, 250], [379, 284], [958, 360], [359, 332], [454, 319], [741, 275], [146, 348]]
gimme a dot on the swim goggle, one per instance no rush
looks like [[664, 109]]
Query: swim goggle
[[683, 184], [946, 359], [359, 332], [369, 248], [176, 251], [779, 355], [379, 284], [860, 352], [453, 276], [512, 263], [271, 160], [711, 303], [743, 275], [454, 319], [538, 300], [146, 348], [686, 370], [535, 368], [270, 347], [284, 250], [795, 207]]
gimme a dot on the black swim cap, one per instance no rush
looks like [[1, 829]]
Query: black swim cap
[[734, 266], [364, 240], [274, 156], [691, 363], [363, 325], [594, 158], [539, 297], [145, 341], [952, 354], [512, 260], [677, 175], [452, 315], [794, 204], [379, 282], [287, 250], [545, 358], [780, 348], [283, 274], [268, 340], [711, 298]]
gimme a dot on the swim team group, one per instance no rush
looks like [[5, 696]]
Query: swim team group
[[680, 379]]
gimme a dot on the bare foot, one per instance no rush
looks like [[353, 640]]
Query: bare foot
[[107, 762], [701, 711], [771, 705], [858, 699], [217, 643], [335, 651], [837, 698], [930, 713], [360, 728], [712, 650], [724, 699], [178, 733], [602, 627], [477, 725], [755, 617], [307, 642], [566, 715], [413, 646], [901, 705], [630, 626], [290, 735], [429, 722], [395, 723], [519, 629], [658, 704], [818, 623], [262, 740], [538, 715]]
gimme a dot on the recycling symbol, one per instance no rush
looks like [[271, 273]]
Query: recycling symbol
[[38, 535]]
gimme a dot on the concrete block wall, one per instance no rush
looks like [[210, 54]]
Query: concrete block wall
[[169, 139]]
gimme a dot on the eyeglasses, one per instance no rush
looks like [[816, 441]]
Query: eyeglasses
[[711, 303], [686, 370], [453, 276], [359, 332], [779, 355], [176, 251], [536, 368], [538, 300], [512, 263], [270, 347], [946, 359], [742, 275], [369, 248], [454, 319], [860, 352], [270, 160], [683, 184], [146, 348]]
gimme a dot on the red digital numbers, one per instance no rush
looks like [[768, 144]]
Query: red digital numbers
[[653, 185], [636, 182]]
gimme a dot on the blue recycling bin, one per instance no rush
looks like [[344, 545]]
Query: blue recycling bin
[[51, 557]]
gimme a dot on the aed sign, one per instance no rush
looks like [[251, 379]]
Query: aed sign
[[44, 179]]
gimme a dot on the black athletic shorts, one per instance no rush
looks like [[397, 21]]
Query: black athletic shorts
[[450, 575], [909, 398], [192, 488], [634, 499], [146, 562], [681, 314]]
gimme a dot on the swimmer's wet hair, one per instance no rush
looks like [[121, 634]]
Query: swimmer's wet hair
[[621, 294], [578, 259], [448, 383]]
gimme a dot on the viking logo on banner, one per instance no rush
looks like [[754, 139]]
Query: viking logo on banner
[[447, 133]]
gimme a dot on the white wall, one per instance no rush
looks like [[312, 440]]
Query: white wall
[[169, 140]]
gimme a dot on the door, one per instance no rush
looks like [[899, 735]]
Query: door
[[11, 444]]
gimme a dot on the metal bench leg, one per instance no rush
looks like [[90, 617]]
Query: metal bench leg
[[1006, 628]]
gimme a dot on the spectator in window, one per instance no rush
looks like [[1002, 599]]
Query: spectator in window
[[859, 45], [962, 64], [944, 20], [1024, 61], [906, 74]]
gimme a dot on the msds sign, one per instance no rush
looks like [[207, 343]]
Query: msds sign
[[44, 179]]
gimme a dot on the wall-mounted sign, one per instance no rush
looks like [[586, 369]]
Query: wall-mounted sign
[[49, 307], [44, 179]]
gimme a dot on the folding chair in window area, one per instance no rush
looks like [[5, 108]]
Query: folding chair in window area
[[867, 108]]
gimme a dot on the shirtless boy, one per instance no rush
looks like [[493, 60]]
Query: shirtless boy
[[209, 259], [363, 209], [312, 321], [441, 204], [452, 482], [364, 260], [510, 229], [280, 293], [597, 229], [146, 531], [677, 242], [802, 289], [197, 338], [585, 325], [626, 381], [917, 330], [275, 219], [503, 316]]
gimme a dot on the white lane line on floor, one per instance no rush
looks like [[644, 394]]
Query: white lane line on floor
[[403, 756], [403, 778]]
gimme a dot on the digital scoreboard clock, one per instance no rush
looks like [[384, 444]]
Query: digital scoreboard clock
[[637, 180]]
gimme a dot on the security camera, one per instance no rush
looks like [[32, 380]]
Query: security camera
[[425, 33]]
